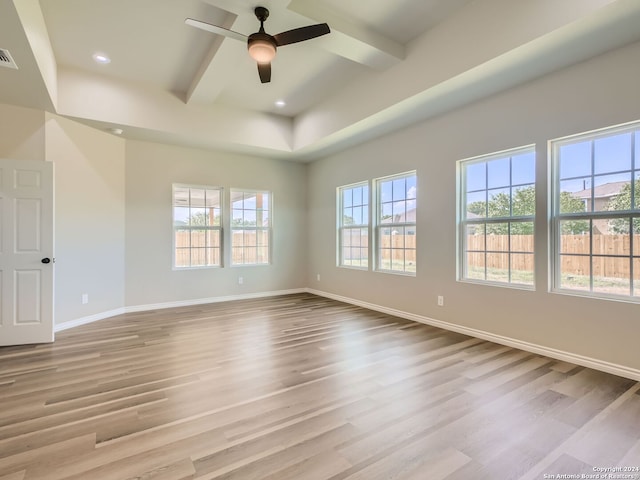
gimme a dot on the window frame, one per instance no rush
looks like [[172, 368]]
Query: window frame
[[219, 228], [556, 217], [463, 222], [378, 225], [341, 226], [268, 229]]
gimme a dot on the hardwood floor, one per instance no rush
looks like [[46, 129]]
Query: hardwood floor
[[302, 387]]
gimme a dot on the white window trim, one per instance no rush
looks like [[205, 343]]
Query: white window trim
[[556, 217], [378, 225], [212, 227], [341, 227], [269, 229], [462, 222]]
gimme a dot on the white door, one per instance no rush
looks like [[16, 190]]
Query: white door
[[26, 252]]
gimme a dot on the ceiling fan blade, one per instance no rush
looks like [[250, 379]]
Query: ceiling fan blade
[[264, 70], [215, 29], [301, 34]]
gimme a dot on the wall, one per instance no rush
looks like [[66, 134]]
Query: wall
[[590, 95], [89, 219], [21, 133], [151, 169]]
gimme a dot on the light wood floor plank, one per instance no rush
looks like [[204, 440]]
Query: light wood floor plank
[[301, 387]]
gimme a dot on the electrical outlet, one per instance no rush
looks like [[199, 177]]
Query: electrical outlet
[[240, 280], [85, 298], [318, 277], [440, 301]]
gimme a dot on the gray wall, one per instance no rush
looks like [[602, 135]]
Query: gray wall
[[590, 95], [89, 218], [152, 168]]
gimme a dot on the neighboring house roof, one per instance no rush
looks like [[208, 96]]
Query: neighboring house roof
[[607, 190], [409, 217]]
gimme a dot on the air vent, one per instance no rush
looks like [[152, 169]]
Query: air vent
[[6, 60]]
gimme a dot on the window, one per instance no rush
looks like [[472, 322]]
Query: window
[[497, 212], [396, 224], [250, 227], [353, 225], [197, 230], [596, 212]]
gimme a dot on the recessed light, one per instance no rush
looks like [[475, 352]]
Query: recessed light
[[101, 58], [280, 103]]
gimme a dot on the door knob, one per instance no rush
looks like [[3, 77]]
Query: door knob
[[46, 260]]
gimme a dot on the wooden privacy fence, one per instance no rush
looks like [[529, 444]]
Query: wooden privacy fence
[[575, 251], [248, 247]]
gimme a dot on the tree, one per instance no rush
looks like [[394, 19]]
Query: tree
[[622, 202], [202, 219], [569, 203], [524, 203]]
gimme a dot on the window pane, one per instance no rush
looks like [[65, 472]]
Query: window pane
[[523, 168], [180, 216], [399, 211], [498, 267], [262, 254], [476, 205], [386, 214], [574, 237], [182, 257], [636, 237], [636, 277], [412, 188], [499, 174], [475, 237], [198, 238], [499, 203], [262, 238], [522, 237], [475, 266], [524, 200], [357, 215], [386, 191], [476, 176], [636, 187], [575, 272], [611, 275], [399, 189], [522, 268], [213, 238], [347, 197], [575, 160], [612, 192], [575, 195], [497, 237], [198, 257], [181, 196], [213, 198], [609, 243], [612, 154], [213, 256], [197, 197]]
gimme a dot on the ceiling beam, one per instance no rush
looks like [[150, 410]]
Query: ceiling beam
[[351, 39], [208, 83]]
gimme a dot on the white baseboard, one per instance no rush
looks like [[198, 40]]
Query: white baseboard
[[201, 301], [589, 362], [89, 319], [158, 306]]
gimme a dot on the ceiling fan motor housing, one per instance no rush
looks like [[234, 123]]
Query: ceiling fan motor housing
[[262, 47]]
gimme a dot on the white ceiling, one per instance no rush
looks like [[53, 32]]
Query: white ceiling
[[385, 64]]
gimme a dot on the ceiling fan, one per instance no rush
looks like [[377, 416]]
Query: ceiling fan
[[262, 46]]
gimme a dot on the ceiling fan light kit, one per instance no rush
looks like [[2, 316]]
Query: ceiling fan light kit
[[262, 46]]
